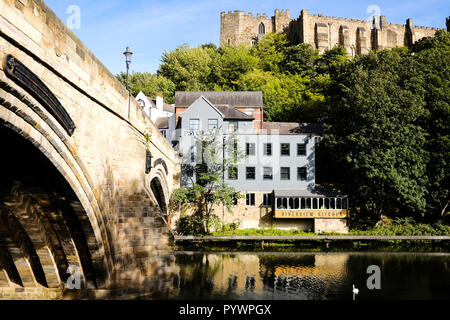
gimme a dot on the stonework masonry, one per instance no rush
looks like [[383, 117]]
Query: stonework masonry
[[103, 162], [322, 32]]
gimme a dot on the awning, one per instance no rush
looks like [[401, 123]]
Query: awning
[[318, 192]]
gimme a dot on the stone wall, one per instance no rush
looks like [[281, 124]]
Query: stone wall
[[323, 32], [104, 160], [330, 225]]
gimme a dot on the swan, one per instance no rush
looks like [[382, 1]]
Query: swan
[[355, 290]]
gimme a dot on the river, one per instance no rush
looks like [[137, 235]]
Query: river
[[311, 276]]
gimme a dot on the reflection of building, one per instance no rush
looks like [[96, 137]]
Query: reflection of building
[[161, 113], [279, 163]]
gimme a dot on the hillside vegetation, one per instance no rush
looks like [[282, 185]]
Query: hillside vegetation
[[385, 114]]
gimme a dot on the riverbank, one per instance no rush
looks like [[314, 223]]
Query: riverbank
[[314, 243]]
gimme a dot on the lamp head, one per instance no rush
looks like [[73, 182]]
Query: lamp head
[[128, 55]]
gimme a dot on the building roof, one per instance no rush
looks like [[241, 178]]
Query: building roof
[[166, 107], [162, 123], [251, 99], [230, 113], [317, 192], [292, 128]]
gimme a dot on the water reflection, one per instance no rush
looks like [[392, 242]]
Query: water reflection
[[311, 276]]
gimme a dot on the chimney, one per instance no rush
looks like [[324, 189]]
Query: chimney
[[159, 101]]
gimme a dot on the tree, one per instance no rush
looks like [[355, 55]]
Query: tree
[[431, 73], [270, 51], [300, 59], [209, 188], [188, 68], [149, 84], [374, 142], [331, 60], [229, 66], [288, 98]]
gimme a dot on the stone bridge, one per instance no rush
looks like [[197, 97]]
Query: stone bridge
[[82, 190]]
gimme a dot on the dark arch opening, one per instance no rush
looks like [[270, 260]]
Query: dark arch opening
[[158, 192], [29, 181]]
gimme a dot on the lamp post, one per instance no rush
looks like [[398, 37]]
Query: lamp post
[[128, 55]]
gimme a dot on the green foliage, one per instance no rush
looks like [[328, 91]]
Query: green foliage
[[374, 137], [386, 114], [300, 59], [270, 51], [406, 227], [398, 227], [191, 225], [209, 189], [149, 84], [230, 65], [387, 139], [188, 68]]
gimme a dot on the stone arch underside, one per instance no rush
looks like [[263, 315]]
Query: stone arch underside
[[57, 228]]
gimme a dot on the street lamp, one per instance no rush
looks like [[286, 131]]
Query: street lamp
[[128, 55]]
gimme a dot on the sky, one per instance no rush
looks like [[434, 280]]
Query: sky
[[150, 27]]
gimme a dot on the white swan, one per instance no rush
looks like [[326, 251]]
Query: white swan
[[355, 290]]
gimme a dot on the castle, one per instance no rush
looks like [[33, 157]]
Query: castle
[[356, 36]]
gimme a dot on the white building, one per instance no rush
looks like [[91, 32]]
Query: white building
[[277, 176], [161, 113]]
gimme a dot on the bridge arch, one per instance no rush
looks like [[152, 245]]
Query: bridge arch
[[158, 187], [22, 116]]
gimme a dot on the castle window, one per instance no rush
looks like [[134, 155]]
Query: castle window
[[253, 43], [229, 42], [261, 28]]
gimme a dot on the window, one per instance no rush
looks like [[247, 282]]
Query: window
[[188, 170], [163, 132], [250, 173], [267, 173], [282, 203], [301, 149], [301, 173], [285, 173], [250, 199], [267, 200], [253, 43], [194, 124], [229, 42], [261, 28], [233, 126], [267, 149], [213, 124], [250, 149], [192, 153], [233, 173], [285, 149]]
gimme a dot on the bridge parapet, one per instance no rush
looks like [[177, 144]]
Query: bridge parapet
[[104, 160]]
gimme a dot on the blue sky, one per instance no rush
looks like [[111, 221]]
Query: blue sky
[[149, 27]]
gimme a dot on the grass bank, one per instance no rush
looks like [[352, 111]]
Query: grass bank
[[393, 229]]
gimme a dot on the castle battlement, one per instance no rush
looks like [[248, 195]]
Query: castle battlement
[[322, 32]]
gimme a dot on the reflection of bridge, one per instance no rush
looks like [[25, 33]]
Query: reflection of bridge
[[66, 119]]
